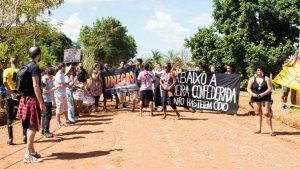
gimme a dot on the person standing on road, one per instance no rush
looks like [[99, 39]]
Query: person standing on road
[[157, 88], [96, 85], [146, 79], [135, 93], [259, 87], [285, 90], [32, 105], [167, 82], [11, 100], [61, 95], [48, 95]]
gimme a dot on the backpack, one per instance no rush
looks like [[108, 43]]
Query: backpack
[[23, 79]]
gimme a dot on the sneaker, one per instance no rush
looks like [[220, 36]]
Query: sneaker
[[36, 155], [10, 141], [61, 124], [284, 107], [25, 139], [154, 109], [48, 135], [68, 123], [32, 159]]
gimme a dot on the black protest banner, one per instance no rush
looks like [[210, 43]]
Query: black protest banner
[[119, 80], [207, 91]]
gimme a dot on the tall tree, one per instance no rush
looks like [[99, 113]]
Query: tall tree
[[106, 41], [20, 25], [246, 31]]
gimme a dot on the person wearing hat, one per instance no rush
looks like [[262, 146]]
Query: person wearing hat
[[61, 94], [11, 100]]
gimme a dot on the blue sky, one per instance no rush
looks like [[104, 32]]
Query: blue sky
[[155, 24]]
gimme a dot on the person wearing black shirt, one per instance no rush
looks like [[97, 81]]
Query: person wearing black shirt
[[32, 105], [259, 87]]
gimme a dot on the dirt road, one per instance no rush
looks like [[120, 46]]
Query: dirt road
[[124, 140]]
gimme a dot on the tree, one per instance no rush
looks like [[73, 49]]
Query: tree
[[106, 41], [156, 57], [246, 31], [56, 45], [20, 25], [172, 57]]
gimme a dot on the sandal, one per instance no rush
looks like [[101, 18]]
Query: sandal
[[273, 134], [257, 132]]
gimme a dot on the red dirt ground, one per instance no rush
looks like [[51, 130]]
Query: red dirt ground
[[121, 139]]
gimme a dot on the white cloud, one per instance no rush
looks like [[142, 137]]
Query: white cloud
[[170, 32], [204, 20], [71, 27]]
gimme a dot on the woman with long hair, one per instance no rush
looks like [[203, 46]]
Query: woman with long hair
[[259, 87], [167, 82], [96, 85]]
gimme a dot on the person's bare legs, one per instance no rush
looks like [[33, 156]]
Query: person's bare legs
[[266, 107], [165, 113], [58, 118], [151, 108], [258, 113], [141, 108], [30, 139], [66, 115], [177, 113], [133, 104]]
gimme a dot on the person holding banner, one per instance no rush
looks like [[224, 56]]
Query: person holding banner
[[135, 93], [167, 82], [121, 95], [259, 87], [146, 78], [157, 88], [285, 91]]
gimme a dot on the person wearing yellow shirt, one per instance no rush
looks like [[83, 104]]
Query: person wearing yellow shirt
[[11, 100]]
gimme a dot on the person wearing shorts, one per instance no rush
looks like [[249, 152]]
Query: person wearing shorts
[[259, 87], [61, 95], [146, 78]]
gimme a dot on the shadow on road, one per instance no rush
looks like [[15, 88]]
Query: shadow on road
[[92, 123], [78, 132], [192, 119], [76, 156], [96, 119], [287, 133], [59, 139]]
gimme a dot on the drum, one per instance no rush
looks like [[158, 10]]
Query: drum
[[88, 100], [78, 94]]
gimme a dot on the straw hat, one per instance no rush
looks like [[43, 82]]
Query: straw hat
[[69, 68]]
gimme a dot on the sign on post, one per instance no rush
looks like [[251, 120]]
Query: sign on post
[[72, 55]]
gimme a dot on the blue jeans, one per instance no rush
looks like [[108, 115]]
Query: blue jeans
[[165, 100], [46, 118], [71, 106]]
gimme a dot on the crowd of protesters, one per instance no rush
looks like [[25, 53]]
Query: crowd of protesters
[[66, 85]]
